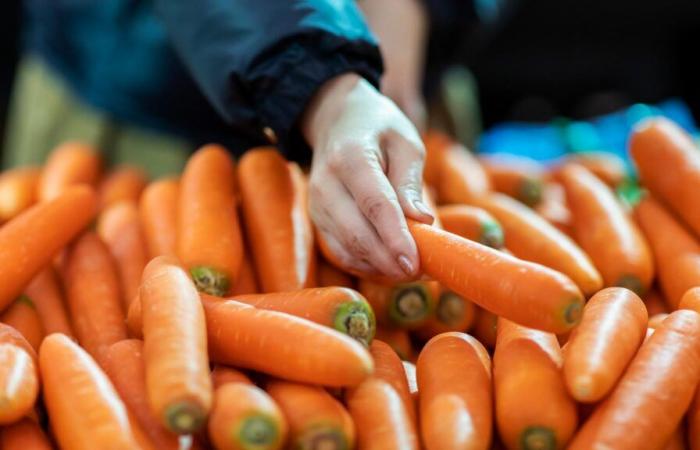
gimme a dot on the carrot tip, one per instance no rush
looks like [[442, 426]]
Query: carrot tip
[[210, 280], [356, 319], [538, 438], [184, 417], [582, 388], [322, 438], [410, 303], [492, 235], [632, 283], [530, 191], [573, 313], [450, 308]]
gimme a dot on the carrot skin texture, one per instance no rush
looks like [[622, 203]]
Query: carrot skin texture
[[388, 367], [19, 383], [122, 184], [22, 316], [44, 291], [29, 241], [691, 300], [24, 435], [223, 374], [485, 327], [18, 191], [158, 212], [247, 280], [518, 177], [399, 341], [473, 223], [69, 164], [9, 335]]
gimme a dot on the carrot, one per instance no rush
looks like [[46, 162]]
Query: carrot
[[677, 440], [126, 369], [607, 166], [532, 238], [174, 347], [485, 327], [436, 142], [403, 305], [328, 275], [655, 302], [125, 183], [119, 228], [223, 375], [158, 212], [612, 329], [22, 316], [452, 313], [30, 240], [17, 191], [553, 207], [9, 335], [245, 417], [247, 280], [655, 391], [388, 367], [472, 223], [676, 251], [19, 383], [69, 164], [399, 341], [693, 421], [668, 164], [606, 232], [656, 320], [316, 420], [499, 282], [209, 239], [89, 275], [274, 195], [45, 292], [85, 410], [454, 382], [691, 300], [516, 176], [24, 435]]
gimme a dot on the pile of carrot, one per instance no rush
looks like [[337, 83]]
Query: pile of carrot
[[201, 311]]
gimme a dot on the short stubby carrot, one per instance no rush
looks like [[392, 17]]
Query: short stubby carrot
[[399, 340], [69, 164], [175, 347], [158, 212], [454, 385], [516, 176], [19, 382], [23, 317], [613, 327], [473, 223], [224, 374], [522, 291], [452, 313], [485, 327], [245, 417], [388, 367], [317, 421], [85, 411], [274, 200], [654, 392], [328, 275], [607, 166], [606, 232], [533, 408], [553, 207], [24, 435], [403, 305], [125, 183], [18, 191], [532, 238], [29, 241], [45, 292], [691, 300], [208, 236]]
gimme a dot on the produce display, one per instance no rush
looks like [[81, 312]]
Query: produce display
[[203, 311]]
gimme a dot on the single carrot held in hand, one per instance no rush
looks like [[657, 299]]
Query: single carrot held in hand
[[399, 341], [452, 313], [388, 367], [124, 183], [612, 329], [45, 292], [209, 239], [24, 435], [69, 164], [19, 383], [175, 347], [223, 374], [29, 241], [158, 211], [22, 316], [473, 223], [403, 305], [454, 382], [18, 191], [525, 292], [516, 176]]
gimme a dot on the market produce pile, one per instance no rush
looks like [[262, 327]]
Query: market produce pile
[[204, 311]]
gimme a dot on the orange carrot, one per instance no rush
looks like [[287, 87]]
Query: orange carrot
[[273, 195], [174, 347], [399, 341], [655, 302], [329, 275], [606, 232], [485, 327], [316, 420], [668, 163], [454, 382], [123, 183], [677, 440], [9, 335], [24, 435], [126, 369], [532, 238], [22, 316], [245, 417], [655, 391], [612, 329], [223, 374], [247, 280], [525, 292], [656, 320], [533, 408], [388, 367], [92, 291], [553, 207], [19, 383], [436, 142], [69, 164], [209, 239], [46, 295], [404, 305], [516, 176], [676, 251], [158, 211], [17, 191], [30, 240], [607, 166], [691, 300], [693, 421], [472, 223], [452, 313]]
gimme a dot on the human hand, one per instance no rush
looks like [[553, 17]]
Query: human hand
[[366, 177]]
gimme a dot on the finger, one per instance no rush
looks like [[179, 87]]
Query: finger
[[406, 176], [346, 260]]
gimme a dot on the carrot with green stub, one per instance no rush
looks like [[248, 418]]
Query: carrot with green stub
[[158, 212], [224, 374], [613, 327], [516, 176], [69, 164], [30, 240], [45, 292], [403, 305], [18, 191], [19, 382], [208, 236], [24, 435], [174, 347], [388, 367], [23, 317], [452, 313], [472, 223], [399, 341], [525, 292]]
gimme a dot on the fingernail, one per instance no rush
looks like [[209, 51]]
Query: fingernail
[[423, 208], [405, 264]]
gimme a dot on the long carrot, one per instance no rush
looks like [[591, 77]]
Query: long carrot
[[45, 292], [607, 166], [533, 408], [519, 177], [676, 251], [92, 291], [435, 143], [29, 241], [70, 164], [452, 313], [223, 374], [454, 383], [175, 347], [316, 420], [85, 411], [612, 329], [22, 316], [525, 292], [17, 191], [123, 183], [328, 275], [158, 211], [399, 341], [655, 391], [553, 207], [605, 231], [388, 367], [668, 164], [24, 435], [19, 383], [472, 223], [485, 327], [691, 300], [404, 305], [273, 195]]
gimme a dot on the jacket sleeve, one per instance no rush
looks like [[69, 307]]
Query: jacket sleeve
[[259, 61]]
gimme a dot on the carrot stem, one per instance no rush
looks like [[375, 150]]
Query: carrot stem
[[210, 280], [450, 308], [492, 235], [538, 438], [257, 431], [530, 191], [355, 319], [323, 438], [632, 283], [411, 303], [184, 417]]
